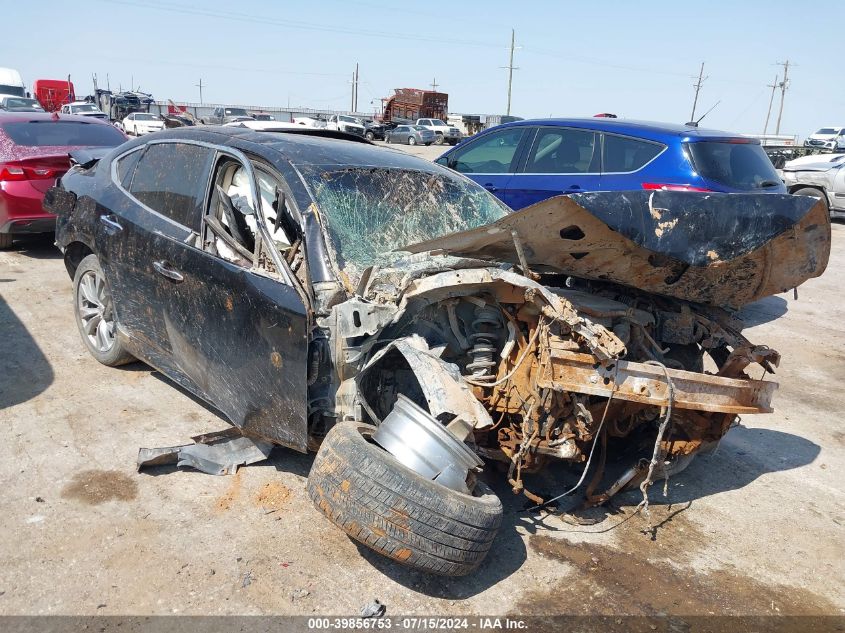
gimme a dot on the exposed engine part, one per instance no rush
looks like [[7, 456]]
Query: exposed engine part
[[421, 443]]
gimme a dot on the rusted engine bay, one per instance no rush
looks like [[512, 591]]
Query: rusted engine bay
[[544, 362], [529, 368]]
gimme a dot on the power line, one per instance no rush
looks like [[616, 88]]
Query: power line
[[697, 86], [434, 84], [293, 24]]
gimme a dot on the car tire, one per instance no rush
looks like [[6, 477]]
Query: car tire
[[438, 139], [380, 503], [369, 136], [815, 193], [412, 140], [5, 240], [85, 297]]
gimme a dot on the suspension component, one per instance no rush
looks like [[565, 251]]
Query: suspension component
[[485, 327]]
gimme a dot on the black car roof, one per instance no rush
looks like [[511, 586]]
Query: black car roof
[[306, 147]]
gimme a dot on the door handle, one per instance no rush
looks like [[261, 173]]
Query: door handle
[[491, 187], [163, 269], [109, 220]]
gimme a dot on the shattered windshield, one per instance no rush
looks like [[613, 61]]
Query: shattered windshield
[[371, 211]]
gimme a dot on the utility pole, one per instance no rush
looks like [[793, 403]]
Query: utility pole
[[511, 68], [783, 86], [434, 84], [773, 86], [199, 85], [355, 89], [697, 86]]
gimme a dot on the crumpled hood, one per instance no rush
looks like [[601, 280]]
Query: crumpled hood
[[718, 249]]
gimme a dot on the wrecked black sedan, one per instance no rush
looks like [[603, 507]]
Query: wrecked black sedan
[[326, 294]]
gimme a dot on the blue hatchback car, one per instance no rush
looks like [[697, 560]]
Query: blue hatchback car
[[528, 161]]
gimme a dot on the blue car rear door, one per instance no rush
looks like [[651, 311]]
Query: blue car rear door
[[560, 160]]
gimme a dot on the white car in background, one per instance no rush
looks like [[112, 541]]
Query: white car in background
[[310, 121], [264, 126], [140, 123], [832, 138], [821, 176], [83, 108]]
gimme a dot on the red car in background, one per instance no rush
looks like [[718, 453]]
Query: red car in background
[[33, 156]]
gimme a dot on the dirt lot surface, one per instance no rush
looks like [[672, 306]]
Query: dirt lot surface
[[756, 528]]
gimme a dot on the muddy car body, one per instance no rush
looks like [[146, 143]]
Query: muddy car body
[[277, 294]]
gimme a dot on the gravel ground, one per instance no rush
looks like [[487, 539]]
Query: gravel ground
[[756, 528]]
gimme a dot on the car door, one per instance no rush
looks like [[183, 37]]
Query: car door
[[559, 161], [238, 332], [149, 208], [490, 160]]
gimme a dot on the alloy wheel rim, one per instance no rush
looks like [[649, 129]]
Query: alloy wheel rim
[[96, 316]]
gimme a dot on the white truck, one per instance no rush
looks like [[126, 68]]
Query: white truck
[[444, 133], [821, 176], [345, 123], [11, 84]]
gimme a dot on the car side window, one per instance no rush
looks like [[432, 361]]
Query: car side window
[[623, 154], [234, 235], [564, 151], [494, 153], [126, 167], [171, 178]]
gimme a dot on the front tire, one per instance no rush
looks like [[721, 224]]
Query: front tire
[[412, 140], [369, 136], [95, 316], [815, 193], [384, 505], [438, 140]]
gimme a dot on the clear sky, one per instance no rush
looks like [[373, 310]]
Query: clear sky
[[636, 59]]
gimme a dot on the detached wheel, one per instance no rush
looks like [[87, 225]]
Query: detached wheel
[[815, 193], [95, 314], [379, 502]]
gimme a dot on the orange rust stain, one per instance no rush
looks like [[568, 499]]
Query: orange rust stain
[[272, 496], [403, 554], [276, 359], [230, 305], [345, 485], [232, 494]]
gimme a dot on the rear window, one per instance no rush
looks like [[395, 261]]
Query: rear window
[[735, 165], [171, 179], [47, 133], [622, 154], [826, 130]]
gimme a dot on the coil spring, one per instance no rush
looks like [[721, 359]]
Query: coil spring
[[483, 339]]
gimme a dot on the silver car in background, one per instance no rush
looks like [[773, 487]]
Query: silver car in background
[[410, 135]]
